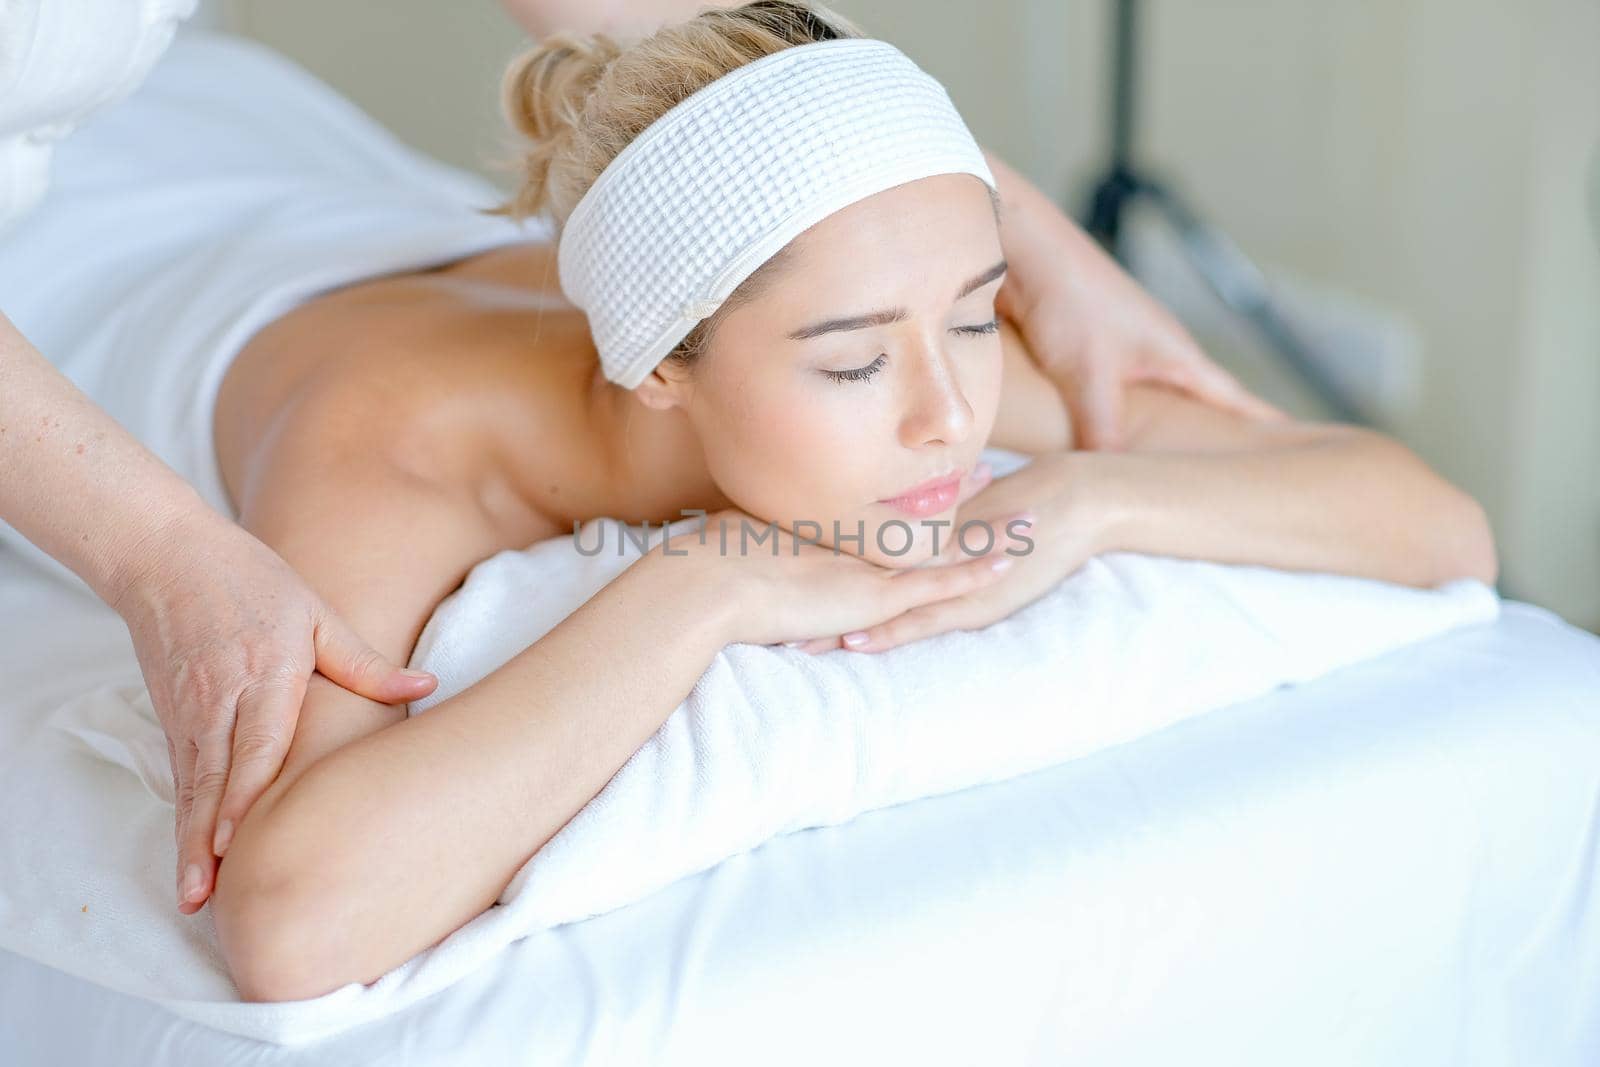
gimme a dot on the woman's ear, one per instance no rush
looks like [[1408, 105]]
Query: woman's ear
[[658, 392]]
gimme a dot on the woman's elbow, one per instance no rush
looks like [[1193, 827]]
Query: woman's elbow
[[263, 949], [1476, 555], [1449, 536], [275, 942], [1460, 542]]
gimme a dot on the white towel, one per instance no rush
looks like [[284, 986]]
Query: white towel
[[773, 740], [769, 741]]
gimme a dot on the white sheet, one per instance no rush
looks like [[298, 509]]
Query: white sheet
[[1393, 865]]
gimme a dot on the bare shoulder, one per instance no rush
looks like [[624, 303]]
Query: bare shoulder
[[378, 539], [313, 364], [403, 367]]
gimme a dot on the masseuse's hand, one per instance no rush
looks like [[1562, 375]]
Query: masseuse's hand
[[1063, 533], [227, 636], [225, 631], [1090, 327]]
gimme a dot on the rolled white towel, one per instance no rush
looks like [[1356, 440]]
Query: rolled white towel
[[772, 740]]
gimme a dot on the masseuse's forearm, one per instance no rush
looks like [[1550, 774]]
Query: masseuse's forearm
[[1036, 236], [1356, 503], [627, 18], [72, 480], [392, 842]]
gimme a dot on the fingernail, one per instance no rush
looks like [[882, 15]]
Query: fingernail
[[1003, 563], [421, 676], [192, 887], [793, 644], [855, 639], [224, 835]]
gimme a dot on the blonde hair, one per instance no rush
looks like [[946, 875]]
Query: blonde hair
[[578, 99]]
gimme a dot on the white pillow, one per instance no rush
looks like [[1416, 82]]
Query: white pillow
[[773, 740]]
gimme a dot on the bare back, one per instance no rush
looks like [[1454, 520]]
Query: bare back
[[451, 366]]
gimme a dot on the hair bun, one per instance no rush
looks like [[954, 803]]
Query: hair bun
[[544, 88], [577, 100], [542, 96]]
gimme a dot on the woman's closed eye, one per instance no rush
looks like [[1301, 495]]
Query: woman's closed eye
[[861, 374]]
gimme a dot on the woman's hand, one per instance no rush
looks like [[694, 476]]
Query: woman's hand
[[803, 590], [1061, 533], [227, 635], [1089, 326]]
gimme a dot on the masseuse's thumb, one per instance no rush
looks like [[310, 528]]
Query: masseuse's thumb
[[345, 659]]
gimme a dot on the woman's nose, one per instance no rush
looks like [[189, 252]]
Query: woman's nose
[[936, 409]]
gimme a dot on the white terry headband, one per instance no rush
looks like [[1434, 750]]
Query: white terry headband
[[732, 173]]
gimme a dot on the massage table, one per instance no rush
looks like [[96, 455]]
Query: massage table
[[1394, 864]]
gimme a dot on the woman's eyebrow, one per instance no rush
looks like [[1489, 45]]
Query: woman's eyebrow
[[890, 315]]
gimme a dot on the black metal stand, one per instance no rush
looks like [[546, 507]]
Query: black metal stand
[[1226, 270]]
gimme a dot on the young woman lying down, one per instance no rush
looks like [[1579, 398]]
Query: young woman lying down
[[387, 436]]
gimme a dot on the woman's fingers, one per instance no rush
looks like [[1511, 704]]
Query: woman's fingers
[[820, 644], [345, 659], [939, 605], [261, 738], [914, 625], [923, 585]]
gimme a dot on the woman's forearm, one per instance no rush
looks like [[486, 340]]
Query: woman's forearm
[[398, 838], [72, 480], [1354, 502]]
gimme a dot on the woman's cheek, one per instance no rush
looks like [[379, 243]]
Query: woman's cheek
[[823, 460], [778, 466], [985, 394]]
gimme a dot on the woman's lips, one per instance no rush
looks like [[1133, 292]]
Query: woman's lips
[[929, 498]]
